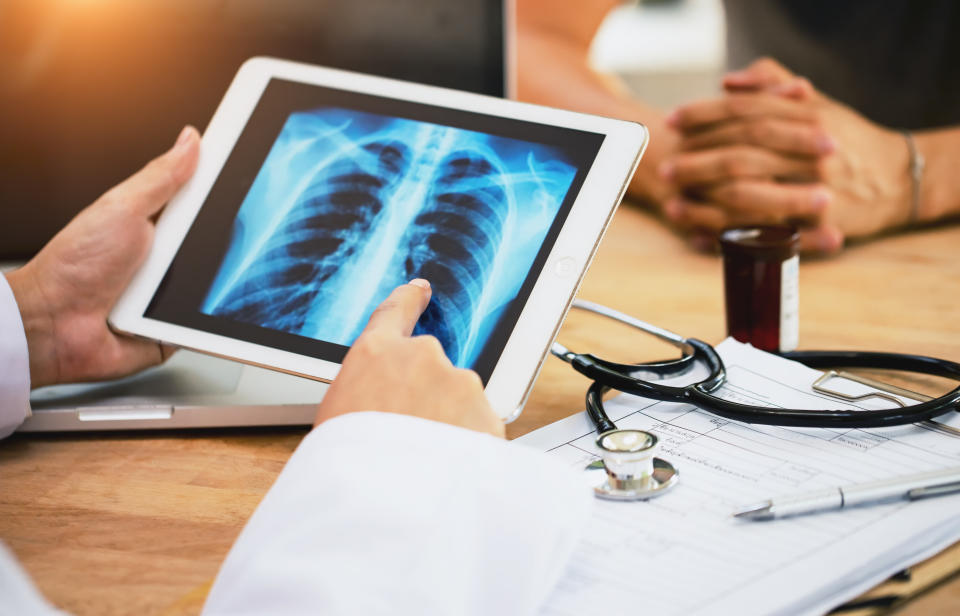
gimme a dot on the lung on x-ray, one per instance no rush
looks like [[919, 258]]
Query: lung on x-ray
[[350, 204]]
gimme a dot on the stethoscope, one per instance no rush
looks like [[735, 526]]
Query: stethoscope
[[634, 472]]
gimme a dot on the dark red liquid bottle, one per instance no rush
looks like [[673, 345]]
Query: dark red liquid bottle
[[760, 271]]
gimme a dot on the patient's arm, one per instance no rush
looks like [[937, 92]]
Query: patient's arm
[[553, 43]]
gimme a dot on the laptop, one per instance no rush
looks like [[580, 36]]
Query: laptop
[[100, 88]]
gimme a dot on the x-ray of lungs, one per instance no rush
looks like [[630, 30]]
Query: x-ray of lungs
[[327, 226], [453, 242], [348, 205]]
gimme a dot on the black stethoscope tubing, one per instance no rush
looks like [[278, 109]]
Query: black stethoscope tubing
[[627, 378]]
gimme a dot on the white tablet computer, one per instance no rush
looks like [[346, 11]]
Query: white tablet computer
[[318, 191]]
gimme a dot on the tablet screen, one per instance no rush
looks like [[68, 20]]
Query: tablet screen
[[330, 199]]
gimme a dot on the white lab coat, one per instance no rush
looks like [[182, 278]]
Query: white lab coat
[[375, 513], [14, 364]]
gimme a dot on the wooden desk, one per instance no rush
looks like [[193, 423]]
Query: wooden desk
[[139, 523]]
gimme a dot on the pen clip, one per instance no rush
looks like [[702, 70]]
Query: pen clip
[[937, 490]]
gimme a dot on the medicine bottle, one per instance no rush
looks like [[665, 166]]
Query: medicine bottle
[[760, 280]]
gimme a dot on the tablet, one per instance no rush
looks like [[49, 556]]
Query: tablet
[[318, 191]]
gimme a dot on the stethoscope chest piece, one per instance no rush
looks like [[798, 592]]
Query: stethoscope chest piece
[[629, 469]]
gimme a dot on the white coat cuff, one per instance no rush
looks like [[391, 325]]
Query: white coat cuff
[[14, 363]]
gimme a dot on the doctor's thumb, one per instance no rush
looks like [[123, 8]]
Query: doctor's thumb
[[148, 190]]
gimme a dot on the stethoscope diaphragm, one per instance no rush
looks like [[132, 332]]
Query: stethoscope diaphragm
[[629, 468]]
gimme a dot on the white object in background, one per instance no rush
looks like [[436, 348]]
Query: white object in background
[[689, 35]]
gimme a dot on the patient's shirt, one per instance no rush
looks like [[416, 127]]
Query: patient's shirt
[[895, 61]]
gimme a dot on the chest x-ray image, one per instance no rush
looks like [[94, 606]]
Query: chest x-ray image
[[350, 204]]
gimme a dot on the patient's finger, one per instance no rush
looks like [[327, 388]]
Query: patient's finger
[[765, 201], [728, 163], [398, 313], [735, 106], [795, 138], [823, 239], [761, 73], [705, 221], [714, 217], [702, 218]]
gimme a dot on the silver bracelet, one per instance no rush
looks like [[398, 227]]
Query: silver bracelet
[[917, 165]]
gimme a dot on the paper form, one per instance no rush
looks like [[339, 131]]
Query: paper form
[[683, 553]]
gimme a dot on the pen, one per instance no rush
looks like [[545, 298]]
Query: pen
[[909, 487]]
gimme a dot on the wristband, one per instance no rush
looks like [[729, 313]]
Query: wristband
[[917, 164]]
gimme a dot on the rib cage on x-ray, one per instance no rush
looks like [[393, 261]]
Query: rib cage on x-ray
[[453, 243], [349, 205], [328, 224]]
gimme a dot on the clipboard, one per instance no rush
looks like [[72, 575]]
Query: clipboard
[[887, 392], [913, 581]]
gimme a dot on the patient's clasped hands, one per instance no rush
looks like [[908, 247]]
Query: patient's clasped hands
[[774, 150]]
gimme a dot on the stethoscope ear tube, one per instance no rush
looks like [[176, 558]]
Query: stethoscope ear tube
[[609, 375], [595, 408], [881, 361], [837, 419], [626, 378]]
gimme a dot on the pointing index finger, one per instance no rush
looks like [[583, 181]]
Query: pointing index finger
[[398, 313]]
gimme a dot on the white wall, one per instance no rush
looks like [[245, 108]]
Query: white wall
[[666, 52]]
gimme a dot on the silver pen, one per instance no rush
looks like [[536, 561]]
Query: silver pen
[[909, 487]]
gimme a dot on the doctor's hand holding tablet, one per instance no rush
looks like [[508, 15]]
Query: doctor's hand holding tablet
[[65, 293], [318, 192], [419, 248], [315, 196], [348, 530]]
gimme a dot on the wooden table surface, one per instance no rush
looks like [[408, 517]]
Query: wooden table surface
[[138, 523]]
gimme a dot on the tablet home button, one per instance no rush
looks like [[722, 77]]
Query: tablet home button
[[565, 267]]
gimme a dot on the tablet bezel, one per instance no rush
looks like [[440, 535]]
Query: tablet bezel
[[541, 317]]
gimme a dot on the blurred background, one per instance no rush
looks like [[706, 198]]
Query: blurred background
[[90, 90]]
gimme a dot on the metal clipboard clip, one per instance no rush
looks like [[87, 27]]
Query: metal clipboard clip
[[887, 392]]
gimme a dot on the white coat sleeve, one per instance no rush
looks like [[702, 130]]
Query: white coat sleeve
[[18, 596], [378, 513], [14, 364]]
